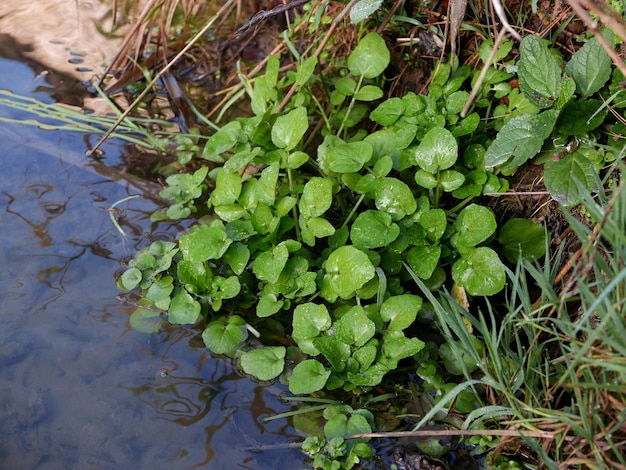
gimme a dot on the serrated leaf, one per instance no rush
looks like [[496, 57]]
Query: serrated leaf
[[264, 363], [539, 72], [590, 66], [562, 178], [370, 57], [520, 139]]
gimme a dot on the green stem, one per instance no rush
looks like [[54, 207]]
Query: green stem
[[350, 106], [353, 211]]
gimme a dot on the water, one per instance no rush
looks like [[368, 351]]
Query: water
[[79, 388]]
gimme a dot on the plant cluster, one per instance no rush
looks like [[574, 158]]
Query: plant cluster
[[322, 213]]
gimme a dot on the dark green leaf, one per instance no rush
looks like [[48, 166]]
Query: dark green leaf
[[373, 229], [562, 178], [590, 66], [539, 72], [474, 225], [525, 237], [580, 117]]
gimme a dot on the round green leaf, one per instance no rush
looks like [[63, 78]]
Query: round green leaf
[[394, 197], [205, 243], [388, 111], [184, 310], [522, 236], [480, 272], [264, 363], [221, 337], [268, 265], [347, 269], [288, 130], [129, 279], [309, 320], [373, 229], [350, 157], [354, 327], [423, 260], [309, 376], [317, 197], [370, 57], [474, 225], [369, 93], [145, 320], [400, 311], [437, 151]]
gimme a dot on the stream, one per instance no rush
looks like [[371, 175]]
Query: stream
[[79, 389]]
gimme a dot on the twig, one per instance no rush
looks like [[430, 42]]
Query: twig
[[454, 432], [141, 96], [263, 14], [497, 6], [483, 72]]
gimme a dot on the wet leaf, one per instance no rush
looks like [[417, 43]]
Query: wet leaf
[[480, 272], [363, 9], [370, 57], [227, 188], [309, 376], [350, 157], [423, 260], [347, 269], [354, 327], [268, 305], [317, 197], [145, 320], [400, 311], [237, 257], [264, 363], [437, 151], [205, 243], [268, 265], [373, 229], [223, 336], [394, 197], [129, 279], [288, 130], [184, 310], [309, 320], [474, 225]]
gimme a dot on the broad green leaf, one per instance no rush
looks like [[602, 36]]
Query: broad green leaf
[[366, 355], [394, 197], [437, 151], [369, 93], [525, 237], [347, 269], [539, 72], [196, 276], [205, 243], [317, 197], [562, 178], [388, 111], [129, 279], [305, 70], [370, 377], [451, 180], [370, 57], [346, 86], [184, 309], [398, 346], [520, 139], [373, 229], [480, 272], [423, 260], [268, 305], [319, 227], [222, 336], [296, 159], [400, 311], [341, 425], [266, 186], [264, 363], [225, 139], [354, 327], [309, 320], [581, 116], [468, 363], [145, 320], [309, 376], [350, 157], [363, 9], [288, 130], [268, 265], [590, 66], [435, 222], [335, 351], [227, 188], [426, 179], [237, 257], [474, 225]]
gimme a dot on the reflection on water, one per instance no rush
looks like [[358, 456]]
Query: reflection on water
[[78, 388]]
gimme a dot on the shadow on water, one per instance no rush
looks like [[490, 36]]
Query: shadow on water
[[78, 388]]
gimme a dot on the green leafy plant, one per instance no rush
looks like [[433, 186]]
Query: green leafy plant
[[323, 237]]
